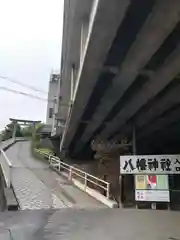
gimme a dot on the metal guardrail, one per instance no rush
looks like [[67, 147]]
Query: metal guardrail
[[74, 172], [6, 168], [4, 160]]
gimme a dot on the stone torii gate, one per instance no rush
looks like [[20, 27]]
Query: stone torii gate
[[23, 122]]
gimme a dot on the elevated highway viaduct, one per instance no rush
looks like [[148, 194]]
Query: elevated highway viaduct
[[128, 75]]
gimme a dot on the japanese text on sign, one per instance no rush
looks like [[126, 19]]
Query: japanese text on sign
[[152, 196], [160, 164]]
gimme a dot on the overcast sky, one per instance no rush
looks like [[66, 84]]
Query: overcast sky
[[30, 47]]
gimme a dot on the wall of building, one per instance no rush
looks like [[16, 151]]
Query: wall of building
[[76, 25], [52, 94], [64, 97]]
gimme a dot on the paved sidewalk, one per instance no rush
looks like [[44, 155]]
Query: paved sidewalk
[[38, 187]]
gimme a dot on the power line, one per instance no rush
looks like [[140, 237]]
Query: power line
[[29, 95], [23, 93], [23, 84]]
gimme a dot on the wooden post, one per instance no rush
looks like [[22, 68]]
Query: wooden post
[[134, 141]]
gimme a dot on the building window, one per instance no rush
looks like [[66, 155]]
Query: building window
[[50, 112], [54, 77], [60, 123]]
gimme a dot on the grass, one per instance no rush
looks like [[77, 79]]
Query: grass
[[39, 156], [35, 144], [46, 150]]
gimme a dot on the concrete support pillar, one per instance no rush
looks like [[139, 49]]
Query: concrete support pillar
[[14, 131]]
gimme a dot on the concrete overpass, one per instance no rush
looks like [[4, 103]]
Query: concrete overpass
[[121, 66]]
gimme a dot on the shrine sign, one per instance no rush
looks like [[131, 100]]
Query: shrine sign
[[157, 164]]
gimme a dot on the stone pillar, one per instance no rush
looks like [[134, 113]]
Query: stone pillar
[[108, 154], [34, 131], [14, 130]]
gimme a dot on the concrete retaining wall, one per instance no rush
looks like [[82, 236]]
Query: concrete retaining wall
[[3, 206], [7, 197], [92, 192]]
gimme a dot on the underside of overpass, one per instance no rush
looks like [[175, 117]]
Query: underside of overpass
[[130, 78]]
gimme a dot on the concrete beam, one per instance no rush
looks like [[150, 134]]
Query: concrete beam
[[144, 119], [166, 103], [162, 78], [161, 123], [171, 134], [105, 19], [158, 26], [110, 69]]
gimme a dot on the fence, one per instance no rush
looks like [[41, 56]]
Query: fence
[[74, 172], [6, 168], [4, 161]]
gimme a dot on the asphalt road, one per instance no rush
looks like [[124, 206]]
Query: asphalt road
[[101, 224], [70, 222]]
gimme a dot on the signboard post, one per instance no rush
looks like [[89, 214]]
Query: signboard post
[[152, 188], [151, 175]]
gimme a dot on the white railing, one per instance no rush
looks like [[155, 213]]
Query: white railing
[[74, 173], [6, 168], [6, 165]]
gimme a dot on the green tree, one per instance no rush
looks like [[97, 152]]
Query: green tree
[[36, 135], [27, 131], [8, 131]]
